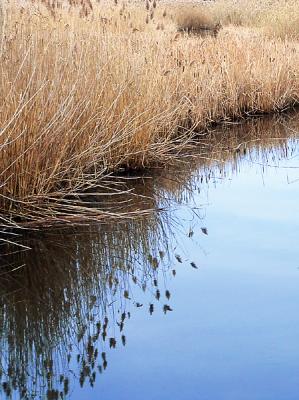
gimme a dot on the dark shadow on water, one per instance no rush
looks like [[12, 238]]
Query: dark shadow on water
[[66, 294]]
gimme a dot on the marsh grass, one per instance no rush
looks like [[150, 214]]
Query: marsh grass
[[274, 18], [195, 19], [89, 90]]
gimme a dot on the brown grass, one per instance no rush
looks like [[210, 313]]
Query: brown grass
[[194, 19], [87, 91]]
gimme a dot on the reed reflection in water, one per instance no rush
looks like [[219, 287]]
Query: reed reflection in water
[[68, 295]]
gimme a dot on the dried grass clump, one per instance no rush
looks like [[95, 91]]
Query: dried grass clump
[[194, 19], [84, 94]]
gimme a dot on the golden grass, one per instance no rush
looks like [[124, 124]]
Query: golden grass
[[278, 18], [85, 92]]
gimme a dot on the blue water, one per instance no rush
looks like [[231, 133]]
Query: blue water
[[234, 329]]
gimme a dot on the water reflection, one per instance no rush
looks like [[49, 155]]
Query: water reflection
[[67, 295], [66, 301]]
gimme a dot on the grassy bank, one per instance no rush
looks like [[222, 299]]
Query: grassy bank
[[91, 89]]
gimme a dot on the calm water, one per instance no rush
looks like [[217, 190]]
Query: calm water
[[199, 301]]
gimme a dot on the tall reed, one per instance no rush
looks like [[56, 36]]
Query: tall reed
[[91, 90]]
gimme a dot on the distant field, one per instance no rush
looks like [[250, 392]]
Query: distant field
[[87, 88]]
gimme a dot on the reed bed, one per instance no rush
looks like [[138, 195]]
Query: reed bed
[[275, 18], [93, 89]]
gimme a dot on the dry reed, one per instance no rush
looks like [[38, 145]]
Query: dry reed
[[276, 18], [91, 90]]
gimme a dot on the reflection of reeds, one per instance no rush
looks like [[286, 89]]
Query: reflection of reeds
[[75, 99], [222, 150], [70, 282]]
